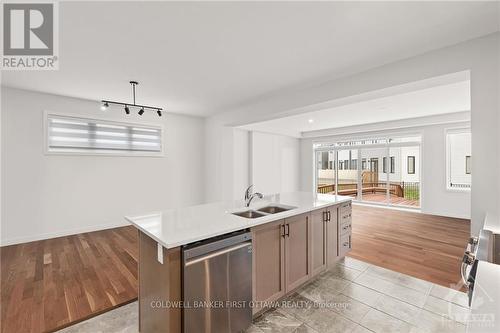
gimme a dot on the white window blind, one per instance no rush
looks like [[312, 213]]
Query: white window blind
[[71, 134]]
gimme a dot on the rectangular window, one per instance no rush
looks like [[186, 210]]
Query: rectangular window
[[411, 165], [458, 145], [384, 165], [354, 164], [393, 164], [363, 164], [324, 160], [83, 135]]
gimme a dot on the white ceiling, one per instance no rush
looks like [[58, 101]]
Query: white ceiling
[[449, 98], [202, 58]]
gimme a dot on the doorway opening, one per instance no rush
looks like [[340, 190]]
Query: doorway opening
[[382, 171]]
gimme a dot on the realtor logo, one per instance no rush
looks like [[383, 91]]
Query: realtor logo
[[29, 36]]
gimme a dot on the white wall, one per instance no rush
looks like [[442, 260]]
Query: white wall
[[275, 163], [242, 160], [436, 198], [51, 195], [480, 56]]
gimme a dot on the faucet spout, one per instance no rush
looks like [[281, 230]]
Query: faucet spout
[[249, 196]]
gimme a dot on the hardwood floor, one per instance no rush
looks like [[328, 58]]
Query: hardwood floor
[[424, 246], [52, 283]]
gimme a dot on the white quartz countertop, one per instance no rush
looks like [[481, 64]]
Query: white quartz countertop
[[176, 227]]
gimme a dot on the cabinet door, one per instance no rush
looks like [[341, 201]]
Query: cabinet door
[[318, 244], [268, 262], [332, 236], [297, 250]]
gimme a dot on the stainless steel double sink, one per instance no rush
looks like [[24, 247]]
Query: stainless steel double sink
[[264, 211]]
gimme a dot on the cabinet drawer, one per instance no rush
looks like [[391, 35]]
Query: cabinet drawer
[[346, 207], [344, 244], [345, 217], [345, 228]]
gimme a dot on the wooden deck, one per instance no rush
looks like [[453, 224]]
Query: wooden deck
[[425, 246], [395, 200], [382, 197]]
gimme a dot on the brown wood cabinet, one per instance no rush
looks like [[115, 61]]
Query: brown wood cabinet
[[324, 238], [288, 252], [297, 250], [332, 232], [268, 262], [319, 240], [344, 228]]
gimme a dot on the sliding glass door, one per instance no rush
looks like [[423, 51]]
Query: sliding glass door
[[404, 178], [348, 172], [325, 171], [380, 171]]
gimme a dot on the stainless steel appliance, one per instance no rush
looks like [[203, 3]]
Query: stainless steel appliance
[[485, 247], [217, 284]]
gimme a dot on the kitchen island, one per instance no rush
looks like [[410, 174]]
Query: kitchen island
[[301, 236]]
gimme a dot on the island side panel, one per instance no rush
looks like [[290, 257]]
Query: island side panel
[[158, 282]]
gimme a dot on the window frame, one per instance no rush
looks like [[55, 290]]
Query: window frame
[[412, 164], [468, 165], [392, 162], [101, 152], [453, 130]]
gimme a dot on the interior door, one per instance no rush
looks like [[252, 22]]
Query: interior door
[[318, 233], [268, 262], [297, 250]]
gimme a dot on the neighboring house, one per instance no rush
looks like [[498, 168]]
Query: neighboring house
[[402, 166]]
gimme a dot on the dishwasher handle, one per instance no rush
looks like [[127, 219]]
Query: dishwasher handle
[[193, 261], [196, 250]]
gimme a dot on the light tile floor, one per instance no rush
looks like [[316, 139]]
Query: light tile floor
[[353, 296]]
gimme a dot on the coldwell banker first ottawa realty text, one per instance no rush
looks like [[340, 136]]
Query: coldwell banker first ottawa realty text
[[30, 36]]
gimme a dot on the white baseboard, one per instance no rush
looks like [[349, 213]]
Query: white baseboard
[[68, 232]]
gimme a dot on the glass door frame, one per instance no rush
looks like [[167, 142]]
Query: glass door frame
[[359, 147]]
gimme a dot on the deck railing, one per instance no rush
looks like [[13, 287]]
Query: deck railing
[[408, 190], [411, 190]]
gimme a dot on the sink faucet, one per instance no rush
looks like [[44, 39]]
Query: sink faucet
[[249, 195]]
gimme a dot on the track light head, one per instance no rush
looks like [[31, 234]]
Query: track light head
[[127, 110], [159, 112], [141, 111], [104, 106]]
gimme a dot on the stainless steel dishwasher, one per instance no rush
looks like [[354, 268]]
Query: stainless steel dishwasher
[[217, 284]]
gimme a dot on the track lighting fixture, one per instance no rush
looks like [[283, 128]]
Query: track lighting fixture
[[127, 106], [104, 106]]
